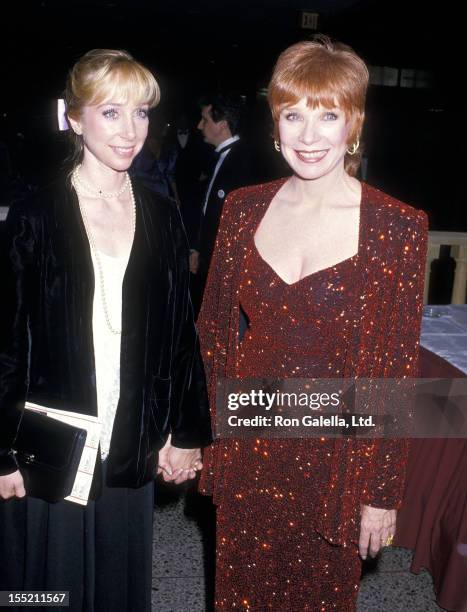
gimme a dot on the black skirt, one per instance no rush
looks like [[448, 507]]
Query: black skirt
[[100, 553]]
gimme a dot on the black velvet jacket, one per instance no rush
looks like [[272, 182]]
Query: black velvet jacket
[[46, 342]]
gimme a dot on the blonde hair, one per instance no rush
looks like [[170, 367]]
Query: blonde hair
[[104, 75], [326, 73]]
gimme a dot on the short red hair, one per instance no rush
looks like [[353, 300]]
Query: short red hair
[[326, 73]]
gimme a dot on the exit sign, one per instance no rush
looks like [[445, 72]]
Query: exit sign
[[309, 21]]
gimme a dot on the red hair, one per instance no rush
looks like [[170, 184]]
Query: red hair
[[327, 74]]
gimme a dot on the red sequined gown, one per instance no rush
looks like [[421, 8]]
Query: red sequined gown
[[280, 562], [277, 498]]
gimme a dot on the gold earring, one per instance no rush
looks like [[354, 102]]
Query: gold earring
[[277, 146], [354, 148]]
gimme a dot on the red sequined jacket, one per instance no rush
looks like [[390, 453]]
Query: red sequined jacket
[[385, 345]]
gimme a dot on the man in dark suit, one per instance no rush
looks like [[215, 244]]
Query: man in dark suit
[[192, 168], [220, 125]]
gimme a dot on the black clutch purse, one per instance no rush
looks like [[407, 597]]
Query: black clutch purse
[[48, 453]]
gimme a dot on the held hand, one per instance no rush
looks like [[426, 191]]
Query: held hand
[[163, 465], [377, 528], [184, 463], [178, 464], [194, 261], [12, 485]]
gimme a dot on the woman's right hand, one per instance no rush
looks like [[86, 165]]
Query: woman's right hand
[[12, 485]]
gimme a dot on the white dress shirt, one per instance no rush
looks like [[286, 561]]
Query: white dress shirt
[[220, 161]]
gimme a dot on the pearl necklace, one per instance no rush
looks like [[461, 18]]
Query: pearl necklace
[[99, 192], [76, 184]]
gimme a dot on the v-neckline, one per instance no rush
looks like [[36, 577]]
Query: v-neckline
[[322, 270]]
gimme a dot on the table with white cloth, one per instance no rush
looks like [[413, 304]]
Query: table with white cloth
[[433, 519], [445, 334]]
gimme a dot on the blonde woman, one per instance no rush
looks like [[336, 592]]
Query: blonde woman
[[98, 321]]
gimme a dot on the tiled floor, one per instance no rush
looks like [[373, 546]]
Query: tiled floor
[[179, 569]]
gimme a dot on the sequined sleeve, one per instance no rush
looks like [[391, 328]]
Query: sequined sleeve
[[215, 321], [210, 317], [386, 477]]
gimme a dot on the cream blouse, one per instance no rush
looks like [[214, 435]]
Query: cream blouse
[[106, 343]]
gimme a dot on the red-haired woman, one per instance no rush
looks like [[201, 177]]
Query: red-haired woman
[[329, 273]]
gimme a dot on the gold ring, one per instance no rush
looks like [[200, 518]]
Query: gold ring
[[389, 540]]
